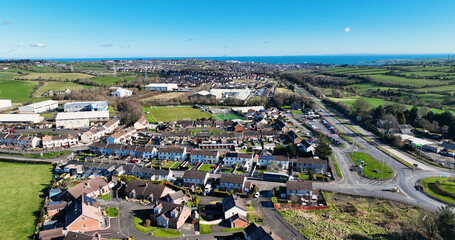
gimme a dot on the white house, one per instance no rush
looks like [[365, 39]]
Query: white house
[[100, 131], [173, 154], [197, 178], [142, 123], [300, 189], [121, 92], [39, 107], [244, 160], [85, 106], [5, 103], [204, 156], [65, 140], [122, 135], [233, 205], [277, 160], [162, 87]]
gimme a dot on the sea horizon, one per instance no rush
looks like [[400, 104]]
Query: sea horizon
[[351, 59]]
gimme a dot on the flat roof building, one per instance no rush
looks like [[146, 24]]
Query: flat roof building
[[20, 118], [92, 116], [5, 103], [162, 87], [85, 106], [39, 107]]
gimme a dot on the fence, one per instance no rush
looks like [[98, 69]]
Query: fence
[[296, 206]]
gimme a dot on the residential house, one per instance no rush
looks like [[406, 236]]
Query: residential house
[[233, 205], [243, 160], [306, 146], [204, 156], [169, 215], [172, 153], [64, 140], [84, 215], [91, 188], [314, 165], [55, 207], [177, 197], [301, 190], [52, 234], [197, 178], [236, 182], [123, 135], [278, 161], [142, 123], [258, 232], [138, 189]]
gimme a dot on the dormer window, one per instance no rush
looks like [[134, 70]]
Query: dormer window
[[157, 210]]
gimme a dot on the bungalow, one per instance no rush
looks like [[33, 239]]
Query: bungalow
[[122, 135], [65, 140], [256, 232], [166, 214], [92, 188], [204, 156], [233, 205], [172, 153], [236, 182], [301, 190], [84, 215], [244, 160], [138, 189], [311, 165], [277, 160], [197, 178]]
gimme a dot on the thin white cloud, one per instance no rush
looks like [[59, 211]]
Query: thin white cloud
[[5, 22], [348, 29], [39, 45], [107, 45]]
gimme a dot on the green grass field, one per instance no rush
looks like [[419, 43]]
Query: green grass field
[[428, 187], [22, 196], [371, 168], [58, 86], [166, 233], [228, 116], [173, 113], [17, 90], [55, 76], [138, 221], [204, 229]]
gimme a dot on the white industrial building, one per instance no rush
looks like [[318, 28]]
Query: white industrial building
[[162, 87], [39, 107], [79, 119], [5, 103], [20, 118], [85, 106], [121, 92], [240, 94]]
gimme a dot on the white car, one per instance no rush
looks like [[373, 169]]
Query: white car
[[256, 195]]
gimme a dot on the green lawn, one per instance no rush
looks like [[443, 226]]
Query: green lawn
[[173, 113], [55, 76], [206, 168], [58, 86], [176, 165], [204, 229], [371, 168], [166, 233], [105, 196], [45, 155], [303, 176], [111, 211], [20, 204], [17, 90], [428, 187], [138, 220], [169, 164], [228, 116], [227, 170]]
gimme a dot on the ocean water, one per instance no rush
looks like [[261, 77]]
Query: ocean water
[[324, 59]]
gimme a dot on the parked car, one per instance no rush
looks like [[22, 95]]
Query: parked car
[[256, 195]]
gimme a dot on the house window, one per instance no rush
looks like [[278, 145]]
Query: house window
[[83, 225], [82, 218]]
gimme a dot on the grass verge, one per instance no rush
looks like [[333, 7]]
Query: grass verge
[[445, 183], [371, 168]]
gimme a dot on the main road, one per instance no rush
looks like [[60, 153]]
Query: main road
[[404, 178]]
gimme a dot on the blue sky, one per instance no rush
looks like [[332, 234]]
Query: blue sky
[[72, 29]]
